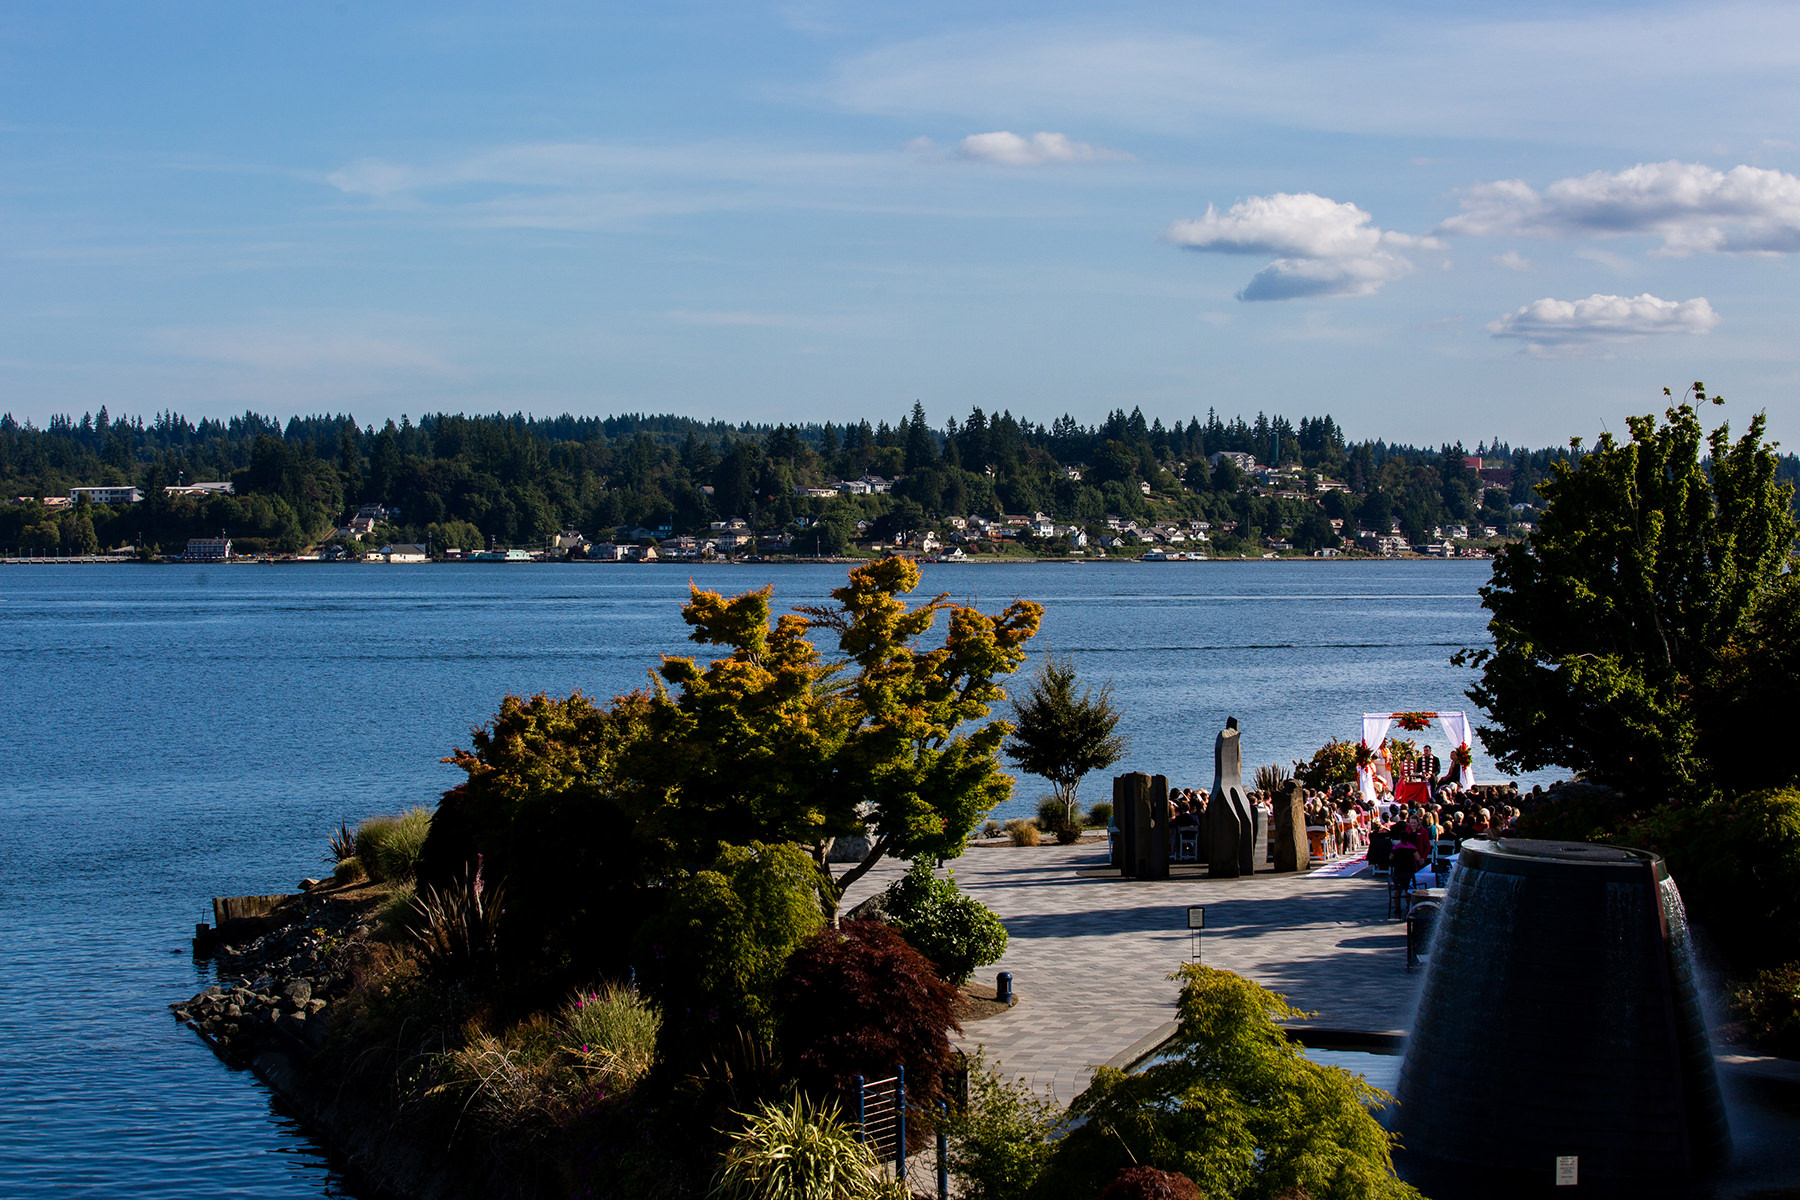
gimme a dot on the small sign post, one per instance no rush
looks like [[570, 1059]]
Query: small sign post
[[1567, 1170], [1196, 915]]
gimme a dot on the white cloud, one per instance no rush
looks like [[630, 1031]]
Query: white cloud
[[1512, 260], [1693, 208], [1321, 247], [1008, 149], [1601, 318]]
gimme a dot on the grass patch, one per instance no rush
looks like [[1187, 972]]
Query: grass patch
[[388, 847]]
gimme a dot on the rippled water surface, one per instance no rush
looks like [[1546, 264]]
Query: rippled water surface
[[175, 733]]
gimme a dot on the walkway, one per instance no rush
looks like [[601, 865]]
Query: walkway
[[1091, 953]]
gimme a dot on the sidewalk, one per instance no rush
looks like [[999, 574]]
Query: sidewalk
[[1091, 953]]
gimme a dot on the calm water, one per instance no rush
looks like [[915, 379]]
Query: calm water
[[180, 732]]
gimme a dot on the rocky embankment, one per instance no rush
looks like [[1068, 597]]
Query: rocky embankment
[[279, 975]]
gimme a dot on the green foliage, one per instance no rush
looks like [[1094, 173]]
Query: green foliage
[[858, 1001], [1100, 813], [455, 928], [1000, 1140], [1270, 778], [1063, 820], [1736, 861], [1769, 1009], [611, 1032], [1332, 763], [1061, 736], [799, 1151], [389, 847], [1235, 1107], [1645, 568], [712, 953], [588, 811], [957, 932]]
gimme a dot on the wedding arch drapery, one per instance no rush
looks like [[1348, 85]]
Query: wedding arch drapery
[[1375, 727]]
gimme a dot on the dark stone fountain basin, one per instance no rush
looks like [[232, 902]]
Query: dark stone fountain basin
[[1559, 1028]]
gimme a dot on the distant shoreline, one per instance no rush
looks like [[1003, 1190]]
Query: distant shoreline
[[783, 561]]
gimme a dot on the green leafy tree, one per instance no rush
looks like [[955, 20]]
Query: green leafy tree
[[712, 953], [1062, 736], [1646, 568], [1233, 1106]]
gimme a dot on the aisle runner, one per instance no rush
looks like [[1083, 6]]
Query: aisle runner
[[1343, 868]]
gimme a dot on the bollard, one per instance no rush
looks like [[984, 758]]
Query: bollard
[[1003, 988]]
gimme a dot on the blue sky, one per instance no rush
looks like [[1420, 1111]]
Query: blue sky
[[1435, 223]]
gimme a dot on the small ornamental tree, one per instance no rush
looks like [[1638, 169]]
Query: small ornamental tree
[[858, 1001], [592, 811], [1061, 736]]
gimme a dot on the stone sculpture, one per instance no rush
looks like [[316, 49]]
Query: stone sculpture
[[1289, 836], [1230, 818], [1141, 808]]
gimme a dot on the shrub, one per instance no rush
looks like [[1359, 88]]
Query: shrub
[[518, 1087], [399, 913], [999, 1140], [343, 846], [388, 847], [1769, 1007], [348, 871], [1148, 1183], [799, 1152], [612, 1032], [957, 932], [1234, 1104], [1022, 832], [858, 1001], [1270, 778], [1100, 815], [712, 954], [456, 928], [1331, 764]]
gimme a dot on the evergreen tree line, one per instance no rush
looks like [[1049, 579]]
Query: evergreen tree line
[[515, 480]]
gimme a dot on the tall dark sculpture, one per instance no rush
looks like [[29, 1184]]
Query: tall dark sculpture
[[1141, 807], [1559, 1020], [1230, 818], [1291, 850]]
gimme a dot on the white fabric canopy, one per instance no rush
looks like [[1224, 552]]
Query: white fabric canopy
[[1375, 727]]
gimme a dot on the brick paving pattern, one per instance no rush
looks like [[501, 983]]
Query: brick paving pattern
[[1091, 953]]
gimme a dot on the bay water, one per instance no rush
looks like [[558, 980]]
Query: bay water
[[179, 732]]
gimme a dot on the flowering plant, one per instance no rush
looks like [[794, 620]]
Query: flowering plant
[[1365, 757], [1412, 722], [1460, 758]]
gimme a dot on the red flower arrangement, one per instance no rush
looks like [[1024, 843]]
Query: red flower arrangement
[[1460, 758], [1412, 722]]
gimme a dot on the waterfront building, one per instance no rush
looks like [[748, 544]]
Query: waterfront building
[[207, 549]]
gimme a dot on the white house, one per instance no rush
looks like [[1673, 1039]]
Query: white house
[[106, 495]]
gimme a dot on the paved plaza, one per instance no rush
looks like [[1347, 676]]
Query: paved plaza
[[1091, 953]]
